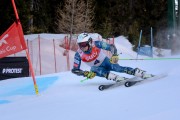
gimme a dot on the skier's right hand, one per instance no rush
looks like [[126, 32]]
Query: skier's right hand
[[114, 59], [89, 74]]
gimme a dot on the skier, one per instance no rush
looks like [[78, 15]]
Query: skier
[[90, 52]]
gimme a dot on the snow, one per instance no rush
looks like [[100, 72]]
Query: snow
[[63, 97]]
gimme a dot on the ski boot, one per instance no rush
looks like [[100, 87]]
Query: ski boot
[[141, 73], [114, 77]]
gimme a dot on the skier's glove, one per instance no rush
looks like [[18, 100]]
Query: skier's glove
[[89, 74], [114, 59]]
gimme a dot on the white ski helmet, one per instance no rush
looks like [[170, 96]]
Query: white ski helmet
[[84, 40]]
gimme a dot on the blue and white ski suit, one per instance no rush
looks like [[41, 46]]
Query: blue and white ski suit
[[98, 61]]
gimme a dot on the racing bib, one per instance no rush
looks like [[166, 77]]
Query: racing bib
[[95, 58]]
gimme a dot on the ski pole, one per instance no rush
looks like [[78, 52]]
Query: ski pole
[[151, 59], [84, 80]]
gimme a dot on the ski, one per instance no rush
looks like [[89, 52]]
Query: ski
[[103, 87], [130, 83], [156, 77]]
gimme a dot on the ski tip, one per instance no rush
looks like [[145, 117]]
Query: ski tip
[[130, 83], [127, 84], [101, 87]]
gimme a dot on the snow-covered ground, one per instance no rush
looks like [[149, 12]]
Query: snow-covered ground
[[63, 97]]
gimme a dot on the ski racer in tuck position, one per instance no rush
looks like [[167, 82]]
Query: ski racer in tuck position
[[91, 53]]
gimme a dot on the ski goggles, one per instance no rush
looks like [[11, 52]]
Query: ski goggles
[[83, 44]]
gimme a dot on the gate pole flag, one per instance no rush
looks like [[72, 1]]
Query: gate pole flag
[[21, 36]]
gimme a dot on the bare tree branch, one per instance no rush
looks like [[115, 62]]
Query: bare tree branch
[[75, 17]]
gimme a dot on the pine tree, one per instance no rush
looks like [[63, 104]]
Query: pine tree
[[75, 16]]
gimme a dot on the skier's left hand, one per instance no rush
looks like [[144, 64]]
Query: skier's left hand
[[89, 74], [114, 59]]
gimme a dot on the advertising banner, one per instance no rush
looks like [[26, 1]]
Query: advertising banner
[[13, 67]]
